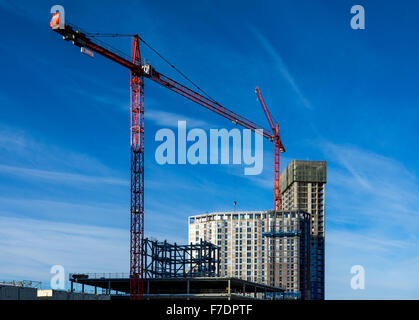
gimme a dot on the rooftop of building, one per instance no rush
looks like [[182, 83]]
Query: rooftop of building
[[240, 214], [304, 171]]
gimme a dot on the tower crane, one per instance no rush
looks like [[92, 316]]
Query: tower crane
[[278, 149], [138, 72]]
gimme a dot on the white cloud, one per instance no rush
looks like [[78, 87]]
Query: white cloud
[[390, 266], [108, 213], [280, 65], [22, 154], [371, 220], [30, 247], [170, 119], [59, 177], [372, 186]]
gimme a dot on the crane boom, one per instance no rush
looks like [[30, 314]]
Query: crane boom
[[265, 109], [278, 149], [268, 116], [81, 40], [208, 103]]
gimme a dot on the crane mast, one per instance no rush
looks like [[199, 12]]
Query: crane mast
[[138, 72], [137, 175]]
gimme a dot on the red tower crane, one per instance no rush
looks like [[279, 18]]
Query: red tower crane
[[139, 71], [278, 149]]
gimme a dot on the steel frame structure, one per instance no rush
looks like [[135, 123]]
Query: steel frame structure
[[166, 260], [176, 288]]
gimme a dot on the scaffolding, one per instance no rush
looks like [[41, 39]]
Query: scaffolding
[[303, 187], [303, 171], [165, 260]]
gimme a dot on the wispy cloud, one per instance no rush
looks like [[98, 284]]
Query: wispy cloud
[[390, 265], [87, 212], [11, 139], [21, 10], [170, 119], [373, 221], [21, 151], [280, 65], [30, 247], [376, 186], [115, 100], [59, 177]]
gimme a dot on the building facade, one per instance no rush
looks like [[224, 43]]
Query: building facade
[[303, 188], [260, 246]]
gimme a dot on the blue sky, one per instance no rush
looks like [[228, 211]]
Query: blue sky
[[345, 96]]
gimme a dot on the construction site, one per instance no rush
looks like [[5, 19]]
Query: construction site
[[272, 254]]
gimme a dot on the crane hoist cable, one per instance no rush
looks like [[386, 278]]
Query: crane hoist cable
[[115, 35]]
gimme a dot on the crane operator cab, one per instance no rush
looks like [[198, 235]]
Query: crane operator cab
[[55, 21]]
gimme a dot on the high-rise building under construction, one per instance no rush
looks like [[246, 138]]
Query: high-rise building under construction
[[302, 188], [284, 249], [260, 246]]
